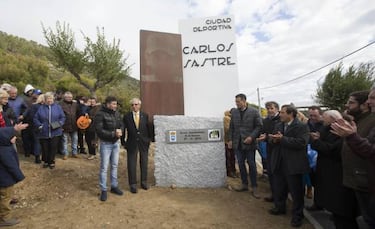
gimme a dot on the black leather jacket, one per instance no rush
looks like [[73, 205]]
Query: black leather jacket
[[106, 122]]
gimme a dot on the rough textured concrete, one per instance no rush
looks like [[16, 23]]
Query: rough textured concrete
[[197, 165]]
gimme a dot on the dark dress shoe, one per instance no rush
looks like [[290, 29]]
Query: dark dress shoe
[[296, 222], [243, 188], [116, 191], [37, 160], [103, 196], [276, 211], [314, 208], [232, 175], [268, 199], [145, 186], [45, 165], [133, 189]]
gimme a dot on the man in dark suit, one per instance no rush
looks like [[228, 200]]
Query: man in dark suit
[[269, 123], [136, 124], [289, 162], [244, 128]]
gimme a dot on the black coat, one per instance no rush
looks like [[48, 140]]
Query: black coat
[[140, 137], [329, 191], [268, 127], [106, 122], [10, 172], [292, 148]]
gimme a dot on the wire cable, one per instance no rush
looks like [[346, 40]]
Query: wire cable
[[309, 73]]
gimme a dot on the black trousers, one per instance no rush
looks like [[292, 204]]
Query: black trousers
[[49, 149], [270, 173], [284, 182], [132, 165], [81, 134], [91, 141], [343, 222], [27, 140], [230, 160]]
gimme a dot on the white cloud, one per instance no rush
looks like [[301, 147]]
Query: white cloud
[[297, 36]]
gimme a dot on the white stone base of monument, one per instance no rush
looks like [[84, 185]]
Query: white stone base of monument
[[195, 165]]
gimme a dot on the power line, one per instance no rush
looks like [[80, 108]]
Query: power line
[[309, 73]]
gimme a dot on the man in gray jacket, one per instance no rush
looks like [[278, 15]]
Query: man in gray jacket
[[244, 128]]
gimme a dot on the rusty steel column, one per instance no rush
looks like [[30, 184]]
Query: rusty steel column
[[161, 73]]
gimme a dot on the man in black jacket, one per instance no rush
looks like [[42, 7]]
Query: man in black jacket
[[136, 124], [108, 127], [289, 162], [269, 123]]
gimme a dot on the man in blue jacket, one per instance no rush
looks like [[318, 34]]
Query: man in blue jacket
[[10, 172]]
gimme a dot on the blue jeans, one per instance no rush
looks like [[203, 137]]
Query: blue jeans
[[250, 157], [109, 154], [74, 138], [307, 180]]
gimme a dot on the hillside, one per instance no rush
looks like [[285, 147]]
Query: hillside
[[27, 62]]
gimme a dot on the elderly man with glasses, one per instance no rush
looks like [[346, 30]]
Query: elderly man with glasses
[[137, 126]]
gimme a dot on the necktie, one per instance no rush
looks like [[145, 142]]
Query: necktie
[[136, 120], [285, 127]]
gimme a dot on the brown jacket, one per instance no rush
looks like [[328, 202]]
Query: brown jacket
[[365, 149], [71, 111], [355, 167]]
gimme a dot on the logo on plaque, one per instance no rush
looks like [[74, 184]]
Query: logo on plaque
[[214, 135], [172, 136]]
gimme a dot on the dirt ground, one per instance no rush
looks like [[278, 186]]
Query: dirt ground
[[67, 197]]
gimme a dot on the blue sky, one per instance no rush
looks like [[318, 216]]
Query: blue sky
[[276, 40]]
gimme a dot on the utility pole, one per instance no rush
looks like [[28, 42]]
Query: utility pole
[[259, 107]]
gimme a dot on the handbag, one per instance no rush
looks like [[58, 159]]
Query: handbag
[[55, 125]]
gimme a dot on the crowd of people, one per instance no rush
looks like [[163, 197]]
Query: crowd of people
[[343, 175], [43, 125], [342, 178]]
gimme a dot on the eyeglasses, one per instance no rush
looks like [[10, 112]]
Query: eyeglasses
[[135, 104]]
